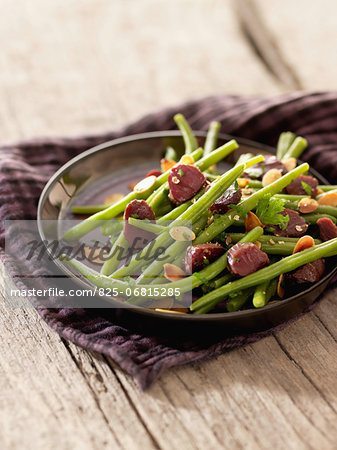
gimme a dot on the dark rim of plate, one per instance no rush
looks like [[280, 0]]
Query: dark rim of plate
[[202, 317]]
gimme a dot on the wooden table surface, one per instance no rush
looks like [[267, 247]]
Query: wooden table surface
[[68, 67]]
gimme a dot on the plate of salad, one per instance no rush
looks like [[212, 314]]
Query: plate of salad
[[247, 234]]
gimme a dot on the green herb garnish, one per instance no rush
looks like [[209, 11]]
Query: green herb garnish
[[135, 216], [306, 187], [181, 173], [268, 209]]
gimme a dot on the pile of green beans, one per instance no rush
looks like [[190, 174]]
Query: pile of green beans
[[292, 262], [217, 282]]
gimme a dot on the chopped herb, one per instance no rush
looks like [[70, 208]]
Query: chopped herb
[[236, 185], [181, 173], [206, 262], [135, 216], [237, 259], [306, 187], [199, 277], [268, 209]]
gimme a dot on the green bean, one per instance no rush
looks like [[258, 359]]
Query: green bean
[[222, 280], [273, 245], [295, 198], [244, 157], [189, 139], [215, 284], [327, 187], [297, 148], [171, 153], [110, 227], [88, 209], [203, 203], [255, 184], [237, 302], [284, 142], [321, 210], [222, 222], [217, 155], [160, 203], [176, 212], [97, 219], [264, 292], [287, 264], [115, 256], [311, 219], [212, 137], [146, 226], [116, 225]]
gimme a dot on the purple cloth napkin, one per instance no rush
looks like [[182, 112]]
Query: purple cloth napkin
[[27, 166]]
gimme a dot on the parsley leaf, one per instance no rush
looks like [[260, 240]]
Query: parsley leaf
[[267, 211], [135, 216], [236, 185], [306, 187], [181, 173]]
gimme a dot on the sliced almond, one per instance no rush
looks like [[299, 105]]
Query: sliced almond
[[307, 205], [182, 234], [186, 159], [172, 311], [289, 163], [303, 243], [167, 164], [242, 182], [180, 310], [95, 255], [165, 303], [173, 272], [145, 184], [319, 192], [329, 199], [113, 198], [252, 221], [258, 244], [280, 288], [271, 176]]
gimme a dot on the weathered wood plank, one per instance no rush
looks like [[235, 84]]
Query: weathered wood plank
[[306, 34], [74, 67], [251, 398], [265, 44], [47, 399]]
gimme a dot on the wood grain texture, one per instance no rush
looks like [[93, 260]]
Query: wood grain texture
[[306, 33], [78, 67]]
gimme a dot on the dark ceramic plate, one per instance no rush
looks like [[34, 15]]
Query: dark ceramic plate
[[94, 174]]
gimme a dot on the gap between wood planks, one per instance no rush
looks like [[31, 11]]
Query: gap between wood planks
[[264, 45]]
